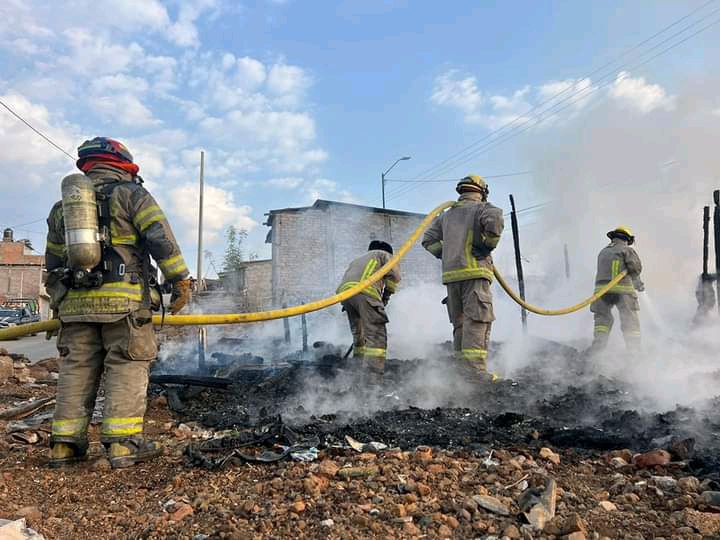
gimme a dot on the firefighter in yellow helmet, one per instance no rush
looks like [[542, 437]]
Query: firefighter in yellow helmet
[[464, 238], [102, 285], [613, 259], [366, 311]]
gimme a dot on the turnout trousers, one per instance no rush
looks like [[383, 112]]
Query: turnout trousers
[[368, 321], [629, 308], [471, 313], [120, 351]]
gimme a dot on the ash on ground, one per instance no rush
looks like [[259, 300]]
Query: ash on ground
[[320, 396]]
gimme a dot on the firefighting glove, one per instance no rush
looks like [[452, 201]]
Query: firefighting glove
[[180, 295]]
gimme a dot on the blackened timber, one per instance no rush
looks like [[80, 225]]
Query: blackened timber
[[716, 227], [518, 260]]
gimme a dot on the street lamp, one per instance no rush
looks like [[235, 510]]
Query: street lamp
[[382, 176]]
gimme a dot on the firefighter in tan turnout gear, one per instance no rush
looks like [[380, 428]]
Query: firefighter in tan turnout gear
[[366, 311], [102, 285], [464, 238], [617, 257]]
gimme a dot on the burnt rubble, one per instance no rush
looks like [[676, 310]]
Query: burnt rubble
[[320, 400]]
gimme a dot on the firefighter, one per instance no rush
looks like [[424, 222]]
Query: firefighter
[[105, 311], [617, 257], [366, 311], [464, 238]]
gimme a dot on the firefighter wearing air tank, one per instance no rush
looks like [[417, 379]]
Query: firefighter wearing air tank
[[102, 285], [464, 238], [366, 311], [615, 258]]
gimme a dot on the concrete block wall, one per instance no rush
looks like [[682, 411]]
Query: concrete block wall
[[311, 249], [20, 281], [258, 284]]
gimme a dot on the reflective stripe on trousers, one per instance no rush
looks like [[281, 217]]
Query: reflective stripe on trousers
[[122, 427], [370, 352], [73, 427]]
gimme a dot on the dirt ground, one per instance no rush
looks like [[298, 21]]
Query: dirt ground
[[490, 483]]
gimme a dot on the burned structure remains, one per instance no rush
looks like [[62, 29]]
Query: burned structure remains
[[312, 246]]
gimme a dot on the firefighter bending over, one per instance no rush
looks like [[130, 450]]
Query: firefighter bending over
[[464, 238], [613, 259], [102, 286], [366, 311]]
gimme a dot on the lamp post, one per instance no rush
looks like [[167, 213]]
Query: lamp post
[[382, 176]]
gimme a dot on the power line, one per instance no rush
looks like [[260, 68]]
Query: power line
[[48, 139], [421, 181], [28, 223], [527, 124], [439, 166], [510, 123]]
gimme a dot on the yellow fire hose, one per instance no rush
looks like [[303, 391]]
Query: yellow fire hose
[[236, 318], [562, 311]]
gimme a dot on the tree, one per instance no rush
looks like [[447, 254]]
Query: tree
[[234, 254]]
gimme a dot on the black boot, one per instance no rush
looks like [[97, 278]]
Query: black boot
[[128, 452]]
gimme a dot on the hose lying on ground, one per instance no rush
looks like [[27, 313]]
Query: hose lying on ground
[[236, 318]]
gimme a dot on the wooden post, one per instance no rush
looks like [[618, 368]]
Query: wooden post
[[286, 325], [200, 223], [716, 227], [706, 240], [202, 347], [518, 260], [303, 319]]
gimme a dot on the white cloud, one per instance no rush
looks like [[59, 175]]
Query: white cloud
[[92, 55], [125, 109], [183, 31], [451, 90], [119, 83], [547, 100], [636, 94], [133, 13], [289, 182], [219, 211], [323, 188], [20, 145], [288, 83], [580, 90]]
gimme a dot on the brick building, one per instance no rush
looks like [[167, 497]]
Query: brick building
[[21, 272], [312, 246], [250, 286]]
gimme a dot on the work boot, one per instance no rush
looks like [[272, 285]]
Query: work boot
[[131, 451], [63, 454], [476, 372]]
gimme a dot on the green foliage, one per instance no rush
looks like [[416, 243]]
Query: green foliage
[[234, 253]]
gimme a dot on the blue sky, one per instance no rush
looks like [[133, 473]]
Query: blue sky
[[296, 100]]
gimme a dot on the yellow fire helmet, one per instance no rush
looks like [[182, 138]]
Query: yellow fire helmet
[[472, 182], [622, 231]]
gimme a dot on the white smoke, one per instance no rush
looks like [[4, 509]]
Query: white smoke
[[653, 172]]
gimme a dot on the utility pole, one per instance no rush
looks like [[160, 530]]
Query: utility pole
[[200, 222], [382, 176], [567, 262], [518, 260], [716, 227]]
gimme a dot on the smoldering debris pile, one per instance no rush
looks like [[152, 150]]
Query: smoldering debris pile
[[304, 401]]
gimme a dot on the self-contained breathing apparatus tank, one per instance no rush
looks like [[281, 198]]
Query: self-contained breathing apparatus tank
[[82, 233]]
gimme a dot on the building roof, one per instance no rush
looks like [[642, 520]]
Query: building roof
[[323, 204], [18, 254]]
